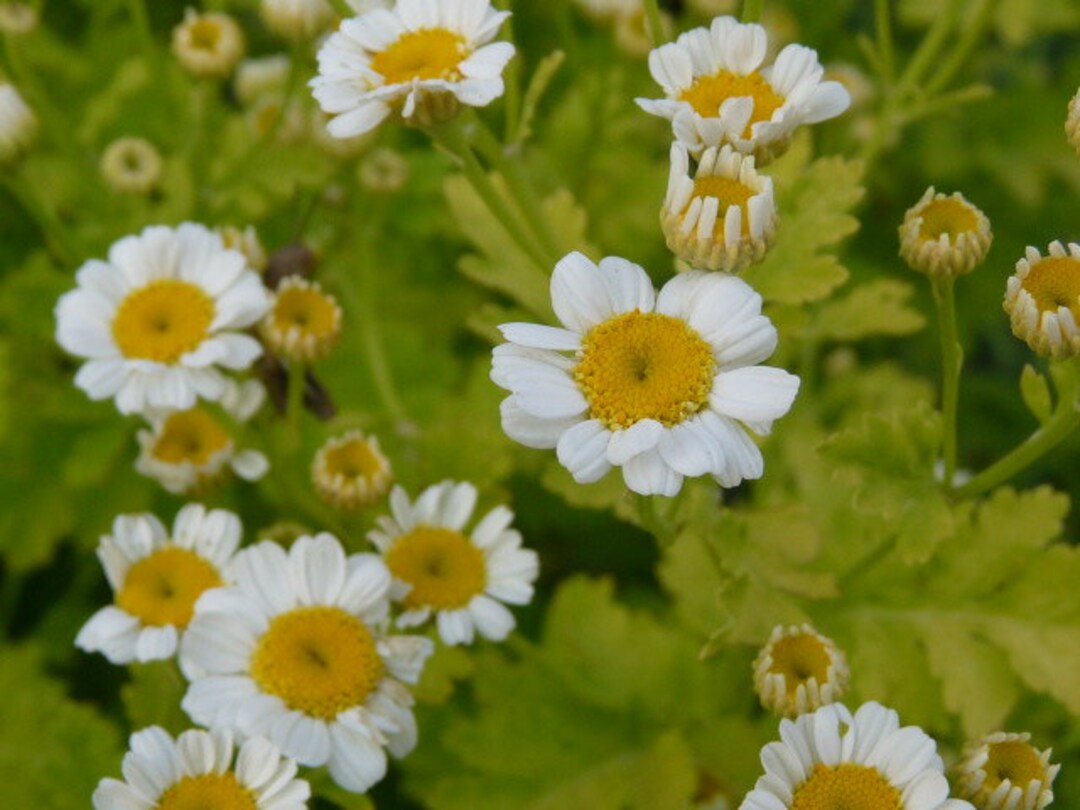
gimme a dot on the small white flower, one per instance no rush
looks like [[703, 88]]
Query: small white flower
[[944, 235], [1043, 300], [461, 579], [304, 322], [131, 165], [18, 124], [420, 60], [664, 386], [717, 92], [197, 770], [799, 670], [156, 578], [831, 759], [297, 20], [1004, 771], [159, 317], [208, 44], [350, 471], [294, 651]]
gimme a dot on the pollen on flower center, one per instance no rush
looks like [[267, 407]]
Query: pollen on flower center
[[728, 191], [846, 787], [1055, 282], [193, 436], [707, 93], [306, 309], [162, 589], [221, 791], [318, 660], [1013, 760], [430, 53], [800, 658], [947, 215], [444, 569], [205, 34], [644, 366], [163, 321], [354, 459]]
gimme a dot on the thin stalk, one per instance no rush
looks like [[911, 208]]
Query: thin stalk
[[970, 35], [885, 51], [751, 10], [656, 23], [294, 401], [374, 349], [952, 360], [929, 49]]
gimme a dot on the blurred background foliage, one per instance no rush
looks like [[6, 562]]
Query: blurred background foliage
[[601, 701]]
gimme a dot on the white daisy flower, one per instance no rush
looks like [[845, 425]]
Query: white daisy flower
[[131, 166], [156, 578], [1004, 771], [462, 579], [831, 759], [420, 59], [208, 44], [159, 317], [18, 124], [294, 651], [717, 92], [799, 670], [1043, 300], [197, 770], [664, 386], [350, 471]]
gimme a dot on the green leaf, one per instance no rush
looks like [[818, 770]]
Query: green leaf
[[153, 695], [1036, 393], [875, 308], [53, 751]]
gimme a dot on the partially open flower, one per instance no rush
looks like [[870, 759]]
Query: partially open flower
[[17, 18], [304, 323], [297, 20], [208, 45], [131, 165], [944, 235], [1072, 122], [261, 76], [18, 124], [722, 219], [799, 670], [1005, 772], [350, 471], [246, 241], [1043, 300]]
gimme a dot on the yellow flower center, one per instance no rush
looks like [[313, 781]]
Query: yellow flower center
[[162, 588], [1055, 282], [1013, 760], [431, 53], [729, 192], [644, 366], [219, 791], [846, 787], [707, 93], [800, 658], [191, 436], [307, 309], [947, 215], [318, 660], [205, 34], [445, 570], [163, 321], [354, 459]]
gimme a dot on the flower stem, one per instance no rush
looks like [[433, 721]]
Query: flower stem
[[294, 402], [751, 10], [342, 8], [137, 10], [656, 23], [952, 360], [885, 50]]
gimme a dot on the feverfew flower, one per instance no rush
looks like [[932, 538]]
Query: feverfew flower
[[297, 20], [17, 18], [419, 60], [944, 235], [799, 670], [131, 165], [831, 759], [304, 323], [1072, 122], [351, 471], [18, 124], [717, 92], [1043, 300], [159, 317], [722, 218], [461, 579], [1004, 771], [294, 651], [197, 770], [208, 44], [156, 577], [664, 386]]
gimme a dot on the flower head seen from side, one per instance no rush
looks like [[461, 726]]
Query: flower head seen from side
[[18, 124], [297, 20], [350, 471], [722, 218], [419, 60], [799, 670], [462, 579], [202, 769], [156, 577], [304, 322], [1072, 122], [717, 91], [294, 651], [944, 235], [832, 759], [1004, 771], [663, 385], [161, 317], [1043, 300]]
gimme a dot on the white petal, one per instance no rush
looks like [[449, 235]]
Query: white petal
[[639, 438], [541, 337], [754, 393], [532, 431], [647, 474], [582, 449]]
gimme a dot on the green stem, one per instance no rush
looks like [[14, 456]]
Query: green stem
[[137, 10], [929, 49], [970, 35], [374, 349], [883, 25], [1061, 425], [952, 360], [294, 401], [656, 23]]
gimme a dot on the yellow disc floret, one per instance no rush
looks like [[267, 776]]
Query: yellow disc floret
[[707, 93], [444, 569], [846, 787], [318, 660], [729, 192], [192, 436], [1014, 760], [644, 366], [304, 323], [351, 471], [1054, 282], [220, 791], [163, 321], [430, 53], [162, 589], [800, 658], [948, 215]]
